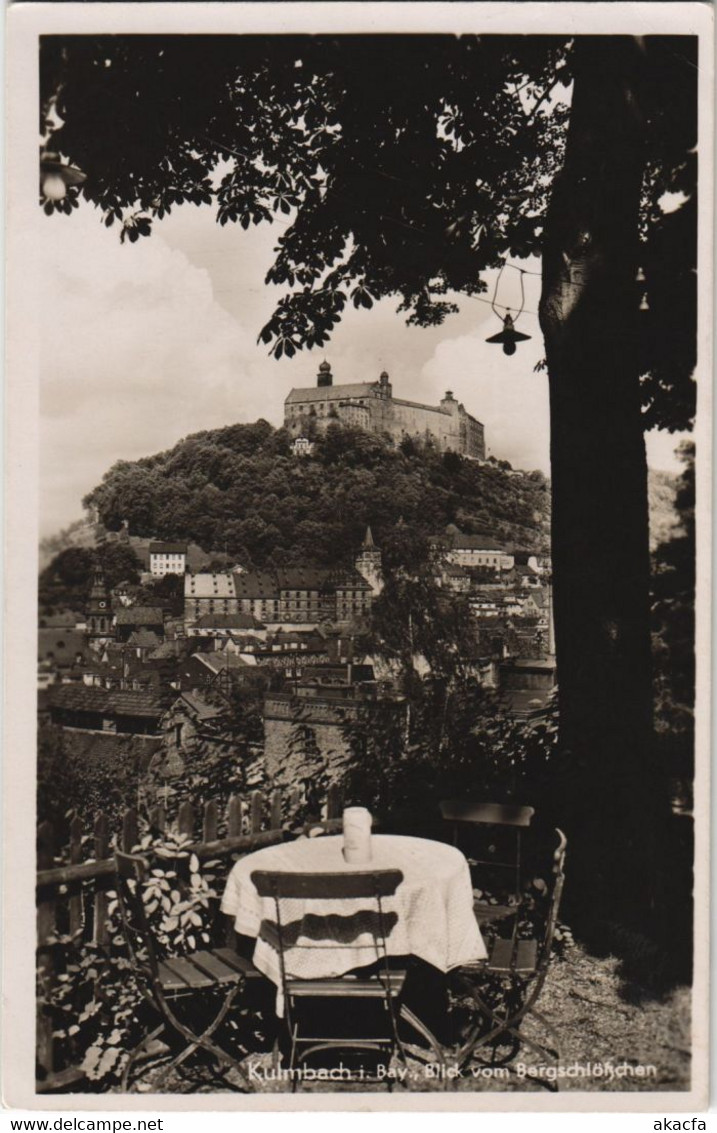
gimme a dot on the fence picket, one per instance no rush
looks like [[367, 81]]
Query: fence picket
[[210, 827], [333, 801], [102, 846], [257, 811], [130, 831], [158, 818], [76, 912], [275, 811], [234, 817], [185, 819], [46, 910], [244, 822]]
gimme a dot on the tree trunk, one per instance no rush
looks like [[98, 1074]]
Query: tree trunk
[[613, 799]]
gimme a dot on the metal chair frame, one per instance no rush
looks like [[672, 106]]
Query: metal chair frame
[[371, 884], [469, 812], [529, 975], [164, 981]]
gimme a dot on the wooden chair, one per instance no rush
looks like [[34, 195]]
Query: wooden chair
[[497, 828], [306, 1000], [520, 965], [171, 985]]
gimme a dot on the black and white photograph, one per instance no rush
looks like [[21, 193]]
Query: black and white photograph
[[367, 457]]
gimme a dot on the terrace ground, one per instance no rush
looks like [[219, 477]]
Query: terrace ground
[[602, 1021]]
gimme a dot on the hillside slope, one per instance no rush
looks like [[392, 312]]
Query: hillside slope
[[240, 490]]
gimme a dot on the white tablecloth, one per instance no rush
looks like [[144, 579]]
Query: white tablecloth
[[430, 915]]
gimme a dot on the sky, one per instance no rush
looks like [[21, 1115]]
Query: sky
[[150, 342]]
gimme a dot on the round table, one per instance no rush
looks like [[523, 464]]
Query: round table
[[430, 915]]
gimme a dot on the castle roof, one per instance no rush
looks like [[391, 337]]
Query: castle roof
[[168, 548], [332, 393], [228, 621], [209, 585]]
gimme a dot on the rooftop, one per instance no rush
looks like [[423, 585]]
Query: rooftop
[[140, 616], [168, 548]]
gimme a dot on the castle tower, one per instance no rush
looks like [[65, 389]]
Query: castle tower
[[385, 389], [324, 377], [99, 610], [368, 563]]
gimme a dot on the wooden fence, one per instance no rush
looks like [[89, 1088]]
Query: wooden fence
[[72, 900]]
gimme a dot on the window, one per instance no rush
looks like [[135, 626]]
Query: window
[[178, 731]]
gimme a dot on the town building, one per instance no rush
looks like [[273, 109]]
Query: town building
[[132, 618], [368, 563], [99, 609], [167, 558], [371, 406], [206, 593], [471, 550], [101, 710], [295, 595]]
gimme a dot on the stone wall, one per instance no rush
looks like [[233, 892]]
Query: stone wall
[[285, 762]]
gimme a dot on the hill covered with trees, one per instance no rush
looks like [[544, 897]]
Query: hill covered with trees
[[240, 490]]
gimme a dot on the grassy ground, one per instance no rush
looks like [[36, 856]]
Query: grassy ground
[[602, 1021]]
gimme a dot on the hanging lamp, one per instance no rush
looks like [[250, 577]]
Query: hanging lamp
[[508, 336]]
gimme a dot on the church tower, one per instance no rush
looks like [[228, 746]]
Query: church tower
[[99, 611], [368, 563]]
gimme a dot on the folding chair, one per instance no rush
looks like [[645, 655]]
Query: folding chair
[[306, 1000], [520, 966], [496, 831], [172, 984]]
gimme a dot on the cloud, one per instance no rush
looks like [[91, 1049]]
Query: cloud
[[502, 392], [136, 354]]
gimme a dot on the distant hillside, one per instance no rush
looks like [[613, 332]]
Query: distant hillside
[[661, 487], [239, 490], [81, 533]]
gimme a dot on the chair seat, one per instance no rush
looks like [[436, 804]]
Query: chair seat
[[519, 956], [485, 912], [205, 969], [348, 987]]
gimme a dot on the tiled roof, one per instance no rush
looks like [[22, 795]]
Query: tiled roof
[[144, 639], [126, 702], [228, 621], [217, 662], [348, 579], [122, 702], [256, 584], [331, 393], [168, 548], [79, 696], [218, 585], [139, 616], [301, 578]]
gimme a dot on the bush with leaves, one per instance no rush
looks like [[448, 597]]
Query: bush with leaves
[[96, 1003]]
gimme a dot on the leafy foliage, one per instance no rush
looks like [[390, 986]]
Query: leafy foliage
[[97, 1002], [410, 185], [673, 629], [66, 580], [239, 488]]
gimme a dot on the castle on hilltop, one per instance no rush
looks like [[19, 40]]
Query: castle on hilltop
[[372, 406]]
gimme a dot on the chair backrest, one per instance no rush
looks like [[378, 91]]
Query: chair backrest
[[131, 872], [486, 814], [327, 886], [369, 884], [556, 892], [485, 824]]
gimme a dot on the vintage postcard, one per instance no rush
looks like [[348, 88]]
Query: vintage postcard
[[358, 469]]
